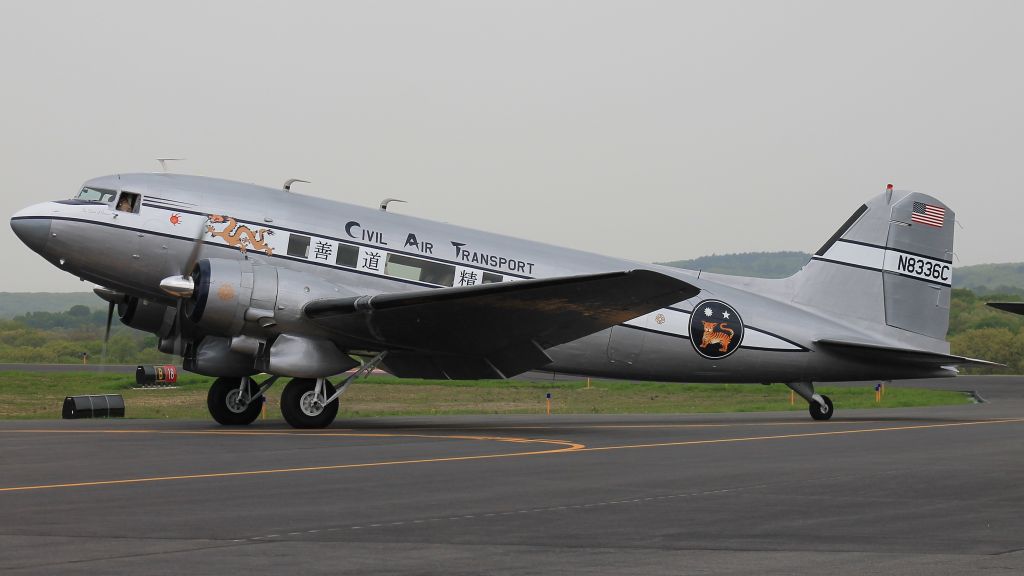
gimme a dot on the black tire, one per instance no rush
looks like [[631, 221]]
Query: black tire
[[292, 405], [819, 413], [220, 403]]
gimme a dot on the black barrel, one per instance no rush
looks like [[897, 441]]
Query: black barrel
[[147, 375], [99, 406]]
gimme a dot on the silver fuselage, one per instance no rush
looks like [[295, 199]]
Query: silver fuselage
[[133, 252]]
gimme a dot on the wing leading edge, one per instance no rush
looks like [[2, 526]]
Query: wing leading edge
[[494, 330]]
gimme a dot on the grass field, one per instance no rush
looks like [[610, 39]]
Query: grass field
[[25, 395]]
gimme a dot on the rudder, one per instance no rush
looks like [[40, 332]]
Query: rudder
[[889, 263]]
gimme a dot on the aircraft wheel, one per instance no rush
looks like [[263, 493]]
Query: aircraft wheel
[[821, 413], [225, 406], [302, 409]]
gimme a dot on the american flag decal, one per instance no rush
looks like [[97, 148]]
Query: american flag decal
[[928, 214]]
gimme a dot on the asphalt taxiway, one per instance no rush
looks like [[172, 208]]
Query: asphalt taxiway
[[919, 491]]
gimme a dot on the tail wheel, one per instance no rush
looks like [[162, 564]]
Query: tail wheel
[[303, 408], [231, 406], [819, 412]]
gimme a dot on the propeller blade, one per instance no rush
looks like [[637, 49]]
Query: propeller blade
[[179, 347], [182, 286], [106, 335], [197, 246]]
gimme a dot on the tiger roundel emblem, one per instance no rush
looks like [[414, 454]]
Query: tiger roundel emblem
[[716, 329]]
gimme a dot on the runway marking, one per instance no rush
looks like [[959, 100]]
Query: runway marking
[[351, 431], [572, 425], [800, 435], [295, 433], [567, 446]]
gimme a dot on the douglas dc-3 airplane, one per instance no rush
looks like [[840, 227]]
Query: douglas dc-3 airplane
[[242, 279]]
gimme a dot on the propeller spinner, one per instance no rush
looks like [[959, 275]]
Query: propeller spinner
[[183, 286]]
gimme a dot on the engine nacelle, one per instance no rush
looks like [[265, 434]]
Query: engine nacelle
[[213, 356], [223, 292], [301, 357], [147, 316], [252, 321], [235, 298]]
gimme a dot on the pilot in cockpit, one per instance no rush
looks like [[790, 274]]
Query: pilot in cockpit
[[126, 203]]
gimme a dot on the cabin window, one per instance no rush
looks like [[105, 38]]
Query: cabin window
[[96, 195], [129, 202], [348, 255], [298, 245], [420, 270], [491, 278]]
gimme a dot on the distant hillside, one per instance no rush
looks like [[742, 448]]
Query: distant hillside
[[14, 303], [760, 264], [984, 279]]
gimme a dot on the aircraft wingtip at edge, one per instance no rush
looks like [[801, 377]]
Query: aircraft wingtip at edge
[[1011, 307]]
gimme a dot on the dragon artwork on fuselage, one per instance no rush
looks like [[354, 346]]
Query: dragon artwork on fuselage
[[241, 236]]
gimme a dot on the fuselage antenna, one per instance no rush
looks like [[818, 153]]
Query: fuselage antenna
[[163, 162], [384, 203], [288, 183]]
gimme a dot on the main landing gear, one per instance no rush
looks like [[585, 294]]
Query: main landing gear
[[818, 405], [309, 403], [313, 403], [237, 401], [305, 402]]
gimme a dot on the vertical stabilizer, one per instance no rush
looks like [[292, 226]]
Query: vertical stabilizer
[[889, 263]]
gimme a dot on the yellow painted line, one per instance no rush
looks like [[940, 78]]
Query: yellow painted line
[[564, 446], [277, 433], [802, 435], [571, 426]]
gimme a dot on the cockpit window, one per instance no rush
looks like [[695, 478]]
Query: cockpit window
[[128, 202], [96, 195]]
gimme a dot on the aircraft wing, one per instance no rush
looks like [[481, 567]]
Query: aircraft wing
[[493, 330], [907, 356], [1015, 307]]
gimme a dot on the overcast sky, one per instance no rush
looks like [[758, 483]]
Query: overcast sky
[[647, 130]]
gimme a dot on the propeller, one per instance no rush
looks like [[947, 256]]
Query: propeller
[[182, 287], [106, 335], [113, 298]]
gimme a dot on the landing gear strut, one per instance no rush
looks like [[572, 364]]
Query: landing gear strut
[[304, 403], [236, 401], [818, 405], [313, 403]]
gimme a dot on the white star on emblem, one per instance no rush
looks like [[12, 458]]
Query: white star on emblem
[[726, 314], [707, 311]]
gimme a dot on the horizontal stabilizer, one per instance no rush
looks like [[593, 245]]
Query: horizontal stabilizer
[[1014, 307], [907, 356], [504, 327]]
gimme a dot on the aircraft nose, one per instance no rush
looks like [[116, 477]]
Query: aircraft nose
[[33, 231]]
